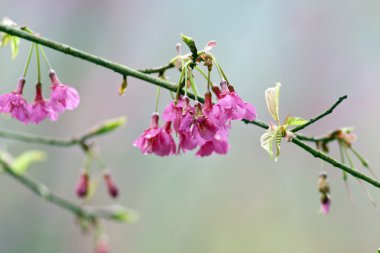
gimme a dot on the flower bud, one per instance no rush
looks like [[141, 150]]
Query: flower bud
[[102, 245], [324, 189], [112, 189], [83, 184]]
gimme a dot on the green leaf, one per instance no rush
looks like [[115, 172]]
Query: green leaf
[[21, 163], [267, 139], [278, 145], [15, 45], [191, 44], [295, 121], [106, 126], [272, 96], [5, 39], [121, 213]]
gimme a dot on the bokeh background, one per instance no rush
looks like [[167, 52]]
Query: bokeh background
[[242, 202]]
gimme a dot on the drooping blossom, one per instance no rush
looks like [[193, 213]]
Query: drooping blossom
[[199, 124], [111, 187], [219, 144], [15, 104], [62, 96], [40, 110], [181, 113], [156, 140], [231, 105]]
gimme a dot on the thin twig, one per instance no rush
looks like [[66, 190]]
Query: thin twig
[[330, 110]]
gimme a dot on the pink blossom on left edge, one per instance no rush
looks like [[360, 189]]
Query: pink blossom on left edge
[[15, 104]]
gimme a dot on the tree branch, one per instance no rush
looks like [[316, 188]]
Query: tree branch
[[42, 191], [335, 163]]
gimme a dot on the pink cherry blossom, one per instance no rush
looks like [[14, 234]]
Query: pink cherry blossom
[[210, 45], [15, 104], [186, 142], [199, 124], [156, 140], [40, 109], [232, 106], [219, 144], [62, 97]]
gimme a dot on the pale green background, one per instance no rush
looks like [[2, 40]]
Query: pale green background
[[242, 202]]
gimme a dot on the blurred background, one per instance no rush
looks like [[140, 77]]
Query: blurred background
[[242, 202]]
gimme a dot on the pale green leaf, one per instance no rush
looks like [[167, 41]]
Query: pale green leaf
[[15, 45], [272, 96], [268, 138], [121, 213], [277, 144], [21, 163], [5, 39], [295, 121], [106, 127]]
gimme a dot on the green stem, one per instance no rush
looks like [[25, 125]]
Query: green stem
[[201, 71], [330, 110], [157, 97], [28, 60], [208, 81], [194, 87], [45, 58], [38, 64], [220, 70]]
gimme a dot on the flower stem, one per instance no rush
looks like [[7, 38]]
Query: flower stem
[[208, 81], [157, 97], [44, 57], [38, 65], [220, 70], [28, 60], [193, 87]]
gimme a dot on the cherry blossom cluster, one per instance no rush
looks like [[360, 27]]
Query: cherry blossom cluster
[[203, 126], [62, 97]]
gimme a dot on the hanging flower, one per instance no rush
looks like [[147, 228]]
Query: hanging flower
[[156, 140], [15, 104], [219, 144], [232, 106], [40, 109], [62, 97]]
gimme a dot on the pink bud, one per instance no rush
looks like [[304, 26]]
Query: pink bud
[[112, 189], [83, 184]]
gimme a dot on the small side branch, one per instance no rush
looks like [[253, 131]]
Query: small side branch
[[330, 110], [43, 192]]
